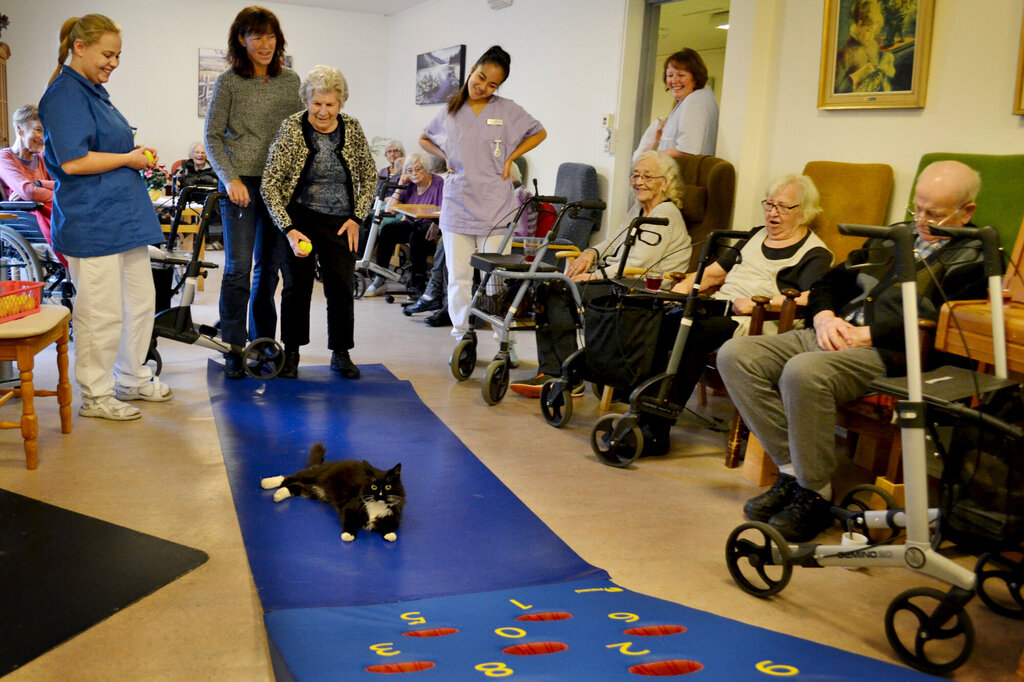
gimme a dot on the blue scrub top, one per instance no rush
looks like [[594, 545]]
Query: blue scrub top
[[104, 213]]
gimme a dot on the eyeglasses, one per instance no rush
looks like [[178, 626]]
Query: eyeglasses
[[770, 206], [637, 178], [930, 216]]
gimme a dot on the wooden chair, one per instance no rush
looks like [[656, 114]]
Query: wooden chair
[[20, 341]]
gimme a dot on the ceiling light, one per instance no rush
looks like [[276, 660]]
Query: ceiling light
[[720, 20]]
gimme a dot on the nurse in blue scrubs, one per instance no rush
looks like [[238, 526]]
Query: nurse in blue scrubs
[[103, 221]]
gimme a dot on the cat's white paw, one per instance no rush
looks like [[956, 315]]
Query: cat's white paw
[[281, 494], [272, 482], [390, 537], [347, 537]]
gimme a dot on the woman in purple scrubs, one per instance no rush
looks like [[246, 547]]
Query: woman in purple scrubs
[[479, 134]]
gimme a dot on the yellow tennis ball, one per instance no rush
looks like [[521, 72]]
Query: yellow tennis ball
[[305, 247], [149, 155]]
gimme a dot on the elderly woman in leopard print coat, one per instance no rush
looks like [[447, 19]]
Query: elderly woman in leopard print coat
[[318, 184]]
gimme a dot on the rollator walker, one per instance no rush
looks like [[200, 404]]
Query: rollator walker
[[365, 267], [510, 266], [262, 358], [616, 439], [940, 639]]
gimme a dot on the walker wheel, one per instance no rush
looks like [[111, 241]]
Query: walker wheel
[[932, 647], [1000, 576], [860, 499], [263, 358], [556, 407], [463, 358], [615, 453], [496, 380], [759, 560], [388, 298], [358, 285]]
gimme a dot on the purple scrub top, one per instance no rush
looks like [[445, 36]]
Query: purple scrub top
[[476, 200]]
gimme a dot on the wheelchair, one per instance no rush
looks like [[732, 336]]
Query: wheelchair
[[981, 504], [27, 256]]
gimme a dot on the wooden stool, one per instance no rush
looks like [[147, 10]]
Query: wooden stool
[[21, 340]]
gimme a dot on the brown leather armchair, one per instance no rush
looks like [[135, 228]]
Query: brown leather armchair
[[709, 194]]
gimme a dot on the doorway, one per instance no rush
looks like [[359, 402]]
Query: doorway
[[669, 27]]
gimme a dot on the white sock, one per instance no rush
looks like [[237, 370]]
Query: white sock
[[825, 492], [787, 469]]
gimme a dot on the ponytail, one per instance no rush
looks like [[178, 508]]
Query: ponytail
[[88, 29], [494, 55]]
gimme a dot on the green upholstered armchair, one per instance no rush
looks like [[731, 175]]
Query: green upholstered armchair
[[1001, 199]]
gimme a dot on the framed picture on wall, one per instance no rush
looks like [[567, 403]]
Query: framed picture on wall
[[212, 63], [1018, 97], [875, 54], [439, 74]]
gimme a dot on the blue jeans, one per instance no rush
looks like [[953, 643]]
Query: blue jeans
[[247, 233]]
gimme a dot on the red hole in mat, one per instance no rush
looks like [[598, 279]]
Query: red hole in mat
[[436, 632], [535, 648], [553, 615], [410, 667], [666, 668], [656, 630]]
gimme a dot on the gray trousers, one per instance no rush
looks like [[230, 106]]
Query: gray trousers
[[787, 388]]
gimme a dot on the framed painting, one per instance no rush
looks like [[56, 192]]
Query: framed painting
[[439, 74], [212, 63], [875, 54], [1018, 97]]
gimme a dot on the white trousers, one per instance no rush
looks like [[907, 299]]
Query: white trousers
[[115, 302], [458, 249]]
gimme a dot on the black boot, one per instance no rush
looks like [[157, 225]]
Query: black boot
[[290, 368], [772, 501], [233, 367], [343, 365]]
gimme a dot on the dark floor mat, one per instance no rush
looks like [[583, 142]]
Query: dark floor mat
[[63, 572]]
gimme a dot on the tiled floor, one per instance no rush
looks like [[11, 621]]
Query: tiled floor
[[659, 528]]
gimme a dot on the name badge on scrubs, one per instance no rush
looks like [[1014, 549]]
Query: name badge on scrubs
[[495, 122]]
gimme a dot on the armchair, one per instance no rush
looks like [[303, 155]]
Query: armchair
[[709, 193]]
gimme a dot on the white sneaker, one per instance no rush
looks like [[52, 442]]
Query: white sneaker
[[155, 392], [513, 356], [109, 407], [376, 289]]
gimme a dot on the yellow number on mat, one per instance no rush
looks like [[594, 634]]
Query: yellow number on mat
[[385, 649], [510, 632], [494, 669], [414, 618], [777, 669], [623, 647], [628, 617]]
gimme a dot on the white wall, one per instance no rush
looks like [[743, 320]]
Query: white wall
[[968, 109], [156, 84], [566, 58]]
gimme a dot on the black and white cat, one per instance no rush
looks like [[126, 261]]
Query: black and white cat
[[362, 495]]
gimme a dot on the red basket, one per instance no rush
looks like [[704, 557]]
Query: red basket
[[18, 299]]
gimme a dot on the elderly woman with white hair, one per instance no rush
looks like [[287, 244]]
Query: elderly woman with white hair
[[319, 178], [783, 254]]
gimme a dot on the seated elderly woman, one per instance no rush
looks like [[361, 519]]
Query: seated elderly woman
[[658, 192], [23, 172], [195, 170], [394, 153], [784, 254], [319, 178], [419, 233]]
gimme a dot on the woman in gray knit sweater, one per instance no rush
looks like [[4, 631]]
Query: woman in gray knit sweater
[[249, 102]]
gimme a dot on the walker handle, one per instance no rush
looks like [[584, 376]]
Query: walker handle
[[990, 241], [550, 199]]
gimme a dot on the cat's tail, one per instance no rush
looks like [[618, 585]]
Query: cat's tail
[[316, 455]]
